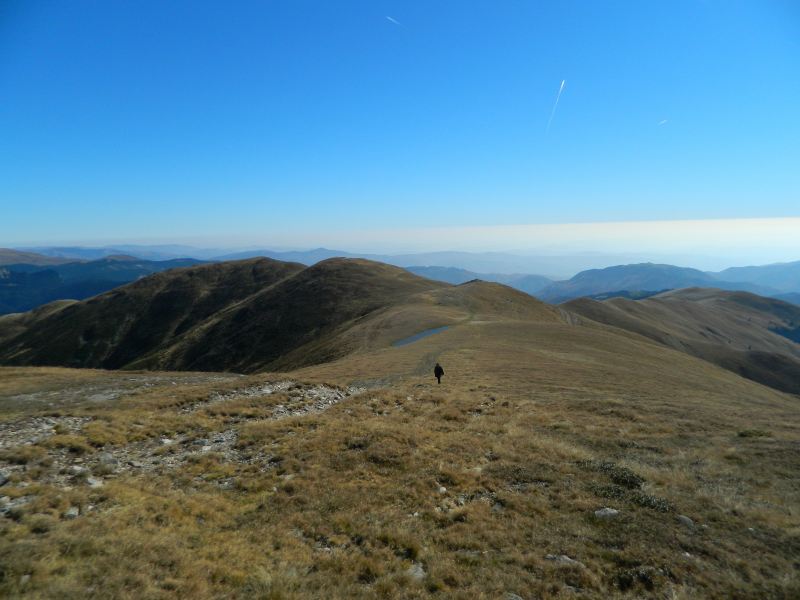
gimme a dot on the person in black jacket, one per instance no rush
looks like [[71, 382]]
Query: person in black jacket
[[438, 371]]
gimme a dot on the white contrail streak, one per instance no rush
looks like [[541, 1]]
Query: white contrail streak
[[555, 106], [393, 20]]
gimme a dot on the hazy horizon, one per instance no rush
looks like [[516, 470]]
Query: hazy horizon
[[725, 243]]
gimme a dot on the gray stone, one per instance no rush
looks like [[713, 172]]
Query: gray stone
[[135, 464], [606, 513], [563, 559], [23, 580], [200, 442], [442, 489], [72, 512], [94, 482], [510, 596], [416, 572], [106, 458], [3, 478], [77, 470], [685, 521]]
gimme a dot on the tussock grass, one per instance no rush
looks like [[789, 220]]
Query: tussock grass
[[413, 490]]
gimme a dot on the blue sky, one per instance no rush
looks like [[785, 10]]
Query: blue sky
[[273, 121]]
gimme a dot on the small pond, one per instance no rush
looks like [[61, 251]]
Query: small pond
[[418, 336]]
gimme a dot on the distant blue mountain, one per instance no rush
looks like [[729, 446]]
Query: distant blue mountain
[[26, 286], [640, 279]]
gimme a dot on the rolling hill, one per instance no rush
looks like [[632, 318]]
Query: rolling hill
[[644, 277], [249, 315], [752, 336], [120, 326]]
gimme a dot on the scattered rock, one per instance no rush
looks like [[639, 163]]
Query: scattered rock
[[3, 478], [106, 458], [511, 596], [606, 513], [563, 559], [685, 521], [166, 441], [72, 512], [135, 464], [24, 579], [77, 470], [416, 571], [442, 489], [94, 482]]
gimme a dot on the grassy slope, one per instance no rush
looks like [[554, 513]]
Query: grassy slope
[[300, 315], [118, 327], [732, 329], [521, 433]]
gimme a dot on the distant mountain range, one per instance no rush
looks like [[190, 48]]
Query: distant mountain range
[[646, 277], [530, 284], [25, 282], [261, 314], [552, 265], [28, 285]]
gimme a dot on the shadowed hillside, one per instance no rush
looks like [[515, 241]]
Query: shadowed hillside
[[253, 315], [117, 327], [752, 336]]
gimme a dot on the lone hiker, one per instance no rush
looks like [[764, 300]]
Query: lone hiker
[[438, 371]]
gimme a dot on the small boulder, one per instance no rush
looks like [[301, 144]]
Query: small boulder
[[606, 513], [563, 559], [511, 596], [94, 482], [106, 458], [442, 489], [685, 521], [416, 572], [72, 512], [3, 478]]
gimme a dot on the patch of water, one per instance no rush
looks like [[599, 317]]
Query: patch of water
[[418, 336]]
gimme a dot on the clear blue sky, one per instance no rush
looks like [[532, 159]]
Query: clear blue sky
[[171, 120]]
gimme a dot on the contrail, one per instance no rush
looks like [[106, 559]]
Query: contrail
[[555, 106], [395, 21]]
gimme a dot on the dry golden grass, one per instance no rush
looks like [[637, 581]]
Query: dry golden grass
[[413, 490]]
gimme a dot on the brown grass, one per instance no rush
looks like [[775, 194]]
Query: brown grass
[[414, 490]]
